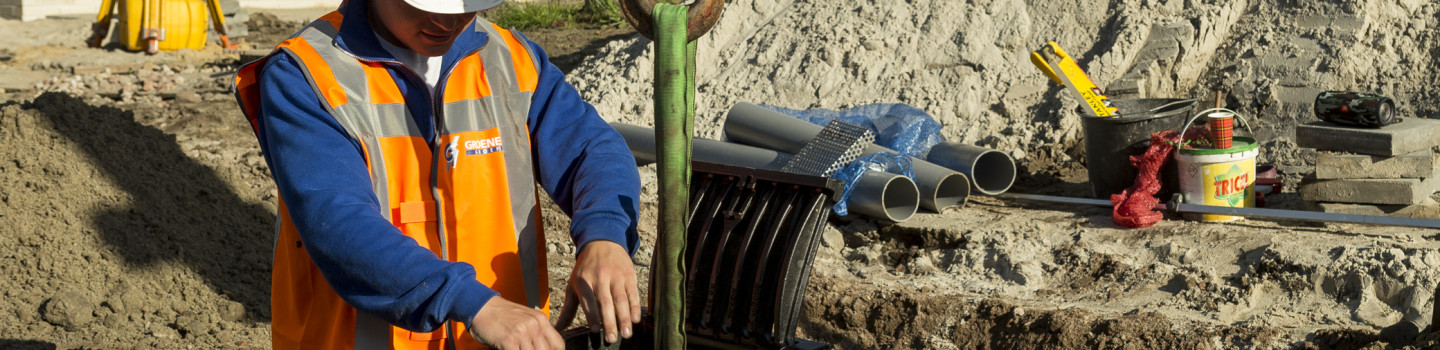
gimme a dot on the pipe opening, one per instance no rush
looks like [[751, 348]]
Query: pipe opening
[[901, 199], [994, 172], [951, 191]]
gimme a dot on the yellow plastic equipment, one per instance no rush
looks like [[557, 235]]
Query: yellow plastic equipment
[[1061, 68], [160, 25]]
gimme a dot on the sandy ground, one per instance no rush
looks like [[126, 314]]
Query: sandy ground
[[139, 211], [1185, 285]]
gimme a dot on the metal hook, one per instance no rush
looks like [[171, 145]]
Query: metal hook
[[702, 16]]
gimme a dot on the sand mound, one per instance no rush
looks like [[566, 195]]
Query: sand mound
[[967, 63], [148, 224], [1257, 284], [116, 236]]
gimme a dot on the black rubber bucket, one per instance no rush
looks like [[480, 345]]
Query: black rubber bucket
[[1109, 142]]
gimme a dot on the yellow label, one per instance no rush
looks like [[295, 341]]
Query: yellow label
[[1066, 72], [1229, 185]]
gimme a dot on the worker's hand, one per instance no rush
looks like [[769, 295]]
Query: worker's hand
[[503, 324], [604, 279]]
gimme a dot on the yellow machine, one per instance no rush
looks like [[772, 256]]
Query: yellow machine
[[160, 25], [1062, 69]]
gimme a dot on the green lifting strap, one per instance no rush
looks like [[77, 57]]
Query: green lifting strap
[[674, 127]]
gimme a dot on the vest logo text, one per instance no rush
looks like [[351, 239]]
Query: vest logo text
[[471, 148]]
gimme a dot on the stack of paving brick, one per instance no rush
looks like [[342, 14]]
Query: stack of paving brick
[[29, 10], [1386, 171]]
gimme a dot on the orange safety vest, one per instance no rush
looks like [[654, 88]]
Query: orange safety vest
[[471, 200]]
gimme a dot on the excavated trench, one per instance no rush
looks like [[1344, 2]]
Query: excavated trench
[[129, 257]]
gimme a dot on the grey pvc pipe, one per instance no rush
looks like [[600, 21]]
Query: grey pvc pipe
[[876, 194], [992, 172], [886, 196], [750, 124]]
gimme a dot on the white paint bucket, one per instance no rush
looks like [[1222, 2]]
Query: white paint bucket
[[1219, 177]]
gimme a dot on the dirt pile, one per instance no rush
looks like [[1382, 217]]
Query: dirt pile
[[139, 211], [147, 83], [267, 30], [966, 63], [926, 320], [116, 236], [1262, 284], [149, 224]]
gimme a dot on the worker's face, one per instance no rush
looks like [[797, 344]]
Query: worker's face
[[429, 34]]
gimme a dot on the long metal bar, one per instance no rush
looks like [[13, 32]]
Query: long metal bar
[[1298, 215], [101, 27], [1059, 199], [750, 124], [217, 17], [1302, 215]]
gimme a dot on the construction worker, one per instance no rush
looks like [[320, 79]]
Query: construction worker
[[407, 139]]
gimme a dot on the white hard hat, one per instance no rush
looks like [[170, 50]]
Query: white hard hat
[[453, 6]]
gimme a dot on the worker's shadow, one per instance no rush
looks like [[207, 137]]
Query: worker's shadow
[[178, 209], [14, 344]]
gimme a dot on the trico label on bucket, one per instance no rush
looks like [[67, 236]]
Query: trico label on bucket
[[1229, 184]]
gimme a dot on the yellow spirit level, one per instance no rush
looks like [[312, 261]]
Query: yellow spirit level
[[1051, 56]]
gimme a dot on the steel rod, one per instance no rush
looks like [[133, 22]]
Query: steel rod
[[1059, 199], [1297, 215], [1302, 215]]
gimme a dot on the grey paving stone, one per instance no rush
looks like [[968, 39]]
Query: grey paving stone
[[1425, 210], [1333, 165], [1408, 136], [1373, 191]]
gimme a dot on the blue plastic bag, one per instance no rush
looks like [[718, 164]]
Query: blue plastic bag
[[908, 130]]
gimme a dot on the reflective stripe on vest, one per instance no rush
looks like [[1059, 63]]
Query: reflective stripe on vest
[[468, 195]]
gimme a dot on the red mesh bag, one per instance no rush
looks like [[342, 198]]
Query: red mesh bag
[[1135, 206]]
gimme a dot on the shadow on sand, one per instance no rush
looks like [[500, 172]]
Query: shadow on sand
[[184, 211]]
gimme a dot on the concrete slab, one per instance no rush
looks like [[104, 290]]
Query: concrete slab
[[29, 10], [289, 4], [1374, 191], [1427, 210], [1411, 135], [21, 80], [1367, 191], [1334, 165]]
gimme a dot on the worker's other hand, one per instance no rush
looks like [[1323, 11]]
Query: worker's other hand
[[505, 325], [604, 279]]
